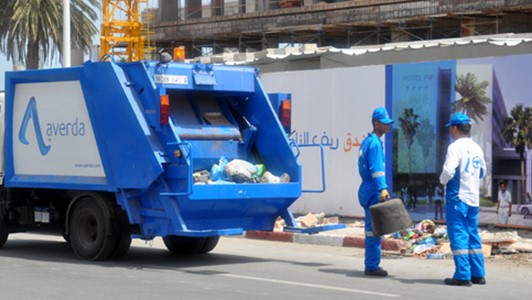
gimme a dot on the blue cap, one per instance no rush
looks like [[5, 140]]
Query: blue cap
[[380, 114], [459, 119]]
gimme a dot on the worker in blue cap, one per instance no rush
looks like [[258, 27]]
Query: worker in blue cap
[[463, 168], [373, 188]]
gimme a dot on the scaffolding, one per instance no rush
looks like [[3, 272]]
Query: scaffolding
[[217, 26]]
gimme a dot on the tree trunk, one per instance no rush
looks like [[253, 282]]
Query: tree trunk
[[409, 165], [32, 55], [523, 186]]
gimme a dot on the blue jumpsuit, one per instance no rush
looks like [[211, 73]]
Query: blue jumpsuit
[[464, 166], [371, 169]]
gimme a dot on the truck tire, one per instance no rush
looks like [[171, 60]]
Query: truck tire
[[3, 238], [121, 248], [66, 237], [124, 237], [91, 235], [190, 245], [210, 244]]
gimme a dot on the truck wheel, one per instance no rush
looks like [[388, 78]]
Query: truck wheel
[[66, 237], [121, 248], [190, 245], [124, 237], [210, 244], [3, 238], [90, 228]]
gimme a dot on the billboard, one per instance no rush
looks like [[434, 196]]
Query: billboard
[[332, 108]]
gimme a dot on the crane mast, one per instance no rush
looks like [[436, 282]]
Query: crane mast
[[122, 31]]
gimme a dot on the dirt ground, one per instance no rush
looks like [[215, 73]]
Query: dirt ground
[[511, 260]]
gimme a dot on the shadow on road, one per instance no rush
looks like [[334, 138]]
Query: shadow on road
[[137, 257]]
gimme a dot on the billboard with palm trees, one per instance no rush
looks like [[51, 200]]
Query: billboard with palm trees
[[332, 108], [423, 96]]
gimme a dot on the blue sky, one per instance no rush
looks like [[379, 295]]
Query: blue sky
[[4, 66], [513, 76]]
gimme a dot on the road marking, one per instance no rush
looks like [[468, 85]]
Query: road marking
[[319, 286]]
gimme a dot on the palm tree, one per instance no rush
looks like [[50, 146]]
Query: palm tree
[[517, 130], [426, 138], [474, 99], [32, 29], [409, 126]]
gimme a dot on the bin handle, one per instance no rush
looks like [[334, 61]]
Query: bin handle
[[187, 155], [323, 184], [293, 144]]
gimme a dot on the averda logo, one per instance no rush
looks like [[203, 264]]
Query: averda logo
[[73, 128], [31, 114]]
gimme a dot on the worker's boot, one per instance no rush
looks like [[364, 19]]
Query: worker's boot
[[478, 280], [379, 272], [452, 281]]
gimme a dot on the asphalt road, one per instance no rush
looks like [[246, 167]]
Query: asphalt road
[[44, 267]]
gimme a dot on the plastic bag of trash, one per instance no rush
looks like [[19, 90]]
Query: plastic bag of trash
[[260, 170], [425, 226], [424, 249], [202, 176], [270, 178], [440, 232], [217, 170], [240, 171], [428, 241]]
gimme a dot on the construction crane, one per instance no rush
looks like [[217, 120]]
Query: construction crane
[[122, 31]]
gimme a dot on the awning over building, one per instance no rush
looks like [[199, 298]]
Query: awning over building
[[310, 56]]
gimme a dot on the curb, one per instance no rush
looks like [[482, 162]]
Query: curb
[[392, 245]]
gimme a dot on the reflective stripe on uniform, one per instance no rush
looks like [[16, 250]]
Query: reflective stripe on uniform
[[369, 233], [377, 174], [476, 251], [460, 252]]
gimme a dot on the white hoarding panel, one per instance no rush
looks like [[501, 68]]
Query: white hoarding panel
[[52, 132], [331, 107]]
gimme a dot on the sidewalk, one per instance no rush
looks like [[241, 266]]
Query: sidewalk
[[488, 216], [516, 239], [351, 236]]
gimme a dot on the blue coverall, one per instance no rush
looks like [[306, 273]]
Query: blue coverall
[[464, 166], [371, 169]]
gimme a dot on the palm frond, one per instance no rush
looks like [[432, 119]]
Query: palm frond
[[30, 27], [474, 100]]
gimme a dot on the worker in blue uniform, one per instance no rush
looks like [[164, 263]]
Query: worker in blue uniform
[[373, 188], [463, 168]]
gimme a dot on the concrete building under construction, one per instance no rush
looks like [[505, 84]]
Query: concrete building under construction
[[206, 27]]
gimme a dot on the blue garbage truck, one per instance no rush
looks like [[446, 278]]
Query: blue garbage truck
[[106, 152]]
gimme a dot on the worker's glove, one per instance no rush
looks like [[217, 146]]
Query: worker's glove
[[384, 195]]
